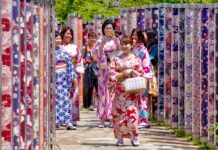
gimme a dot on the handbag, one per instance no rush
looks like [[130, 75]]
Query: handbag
[[153, 87], [135, 85]]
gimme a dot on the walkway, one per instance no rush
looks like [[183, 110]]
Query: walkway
[[89, 137]]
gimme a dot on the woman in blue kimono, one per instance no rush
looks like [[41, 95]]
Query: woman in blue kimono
[[64, 75]]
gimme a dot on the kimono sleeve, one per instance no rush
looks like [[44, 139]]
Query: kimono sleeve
[[146, 62], [71, 70], [79, 62], [139, 68], [113, 73], [95, 52]]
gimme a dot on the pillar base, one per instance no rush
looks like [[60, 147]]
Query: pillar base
[[167, 122], [174, 125], [188, 131]]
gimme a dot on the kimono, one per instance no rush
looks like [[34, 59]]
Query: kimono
[[141, 51], [64, 75], [105, 97], [76, 59], [125, 105]]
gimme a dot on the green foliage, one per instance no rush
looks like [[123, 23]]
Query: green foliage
[[179, 132], [90, 8]]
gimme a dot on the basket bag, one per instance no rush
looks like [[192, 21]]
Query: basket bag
[[135, 85]]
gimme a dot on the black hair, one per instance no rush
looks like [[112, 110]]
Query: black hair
[[152, 38], [107, 22], [140, 35], [57, 34]]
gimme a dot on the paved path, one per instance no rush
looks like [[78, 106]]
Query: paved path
[[89, 137]]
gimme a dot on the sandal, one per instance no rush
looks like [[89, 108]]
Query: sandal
[[120, 142], [70, 126], [111, 125], [101, 124]]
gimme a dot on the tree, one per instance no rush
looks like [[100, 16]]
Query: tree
[[90, 8]]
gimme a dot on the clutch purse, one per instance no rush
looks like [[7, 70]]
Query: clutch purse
[[135, 85]]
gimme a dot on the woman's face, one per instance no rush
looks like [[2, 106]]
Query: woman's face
[[126, 48], [108, 30], [67, 37], [92, 40], [58, 41], [134, 38]]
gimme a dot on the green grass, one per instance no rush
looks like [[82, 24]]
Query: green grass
[[181, 133], [57, 147]]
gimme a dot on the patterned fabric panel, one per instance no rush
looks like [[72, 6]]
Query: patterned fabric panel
[[124, 22], [98, 26], [23, 57], [155, 15], [188, 67], [16, 75], [72, 20], [141, 19], [174, 66], [91, 26], [6, 75], [85, 33], [211, 73], [29, 75], [36, 76], [0, 72], [161, 41], [167, 62], [196, 51], [204, 72], [181, 109], [45, 70], [216, 72], [148, 18]]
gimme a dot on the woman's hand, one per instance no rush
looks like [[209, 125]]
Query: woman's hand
[[103, 41], [128, 72], [75, 82], [102, 66], [94, 58], [123, 68]]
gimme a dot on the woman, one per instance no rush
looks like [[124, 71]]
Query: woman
[[76, 58], [91, 72], [152, 46], [64, 75], [103, 49], [140, 51], [125, 111]]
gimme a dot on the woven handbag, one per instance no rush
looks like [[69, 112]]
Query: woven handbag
[[135, 85]]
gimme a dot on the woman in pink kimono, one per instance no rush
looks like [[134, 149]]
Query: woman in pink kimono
[[103, 49], [76, 57], [140, 51], [125, 105]]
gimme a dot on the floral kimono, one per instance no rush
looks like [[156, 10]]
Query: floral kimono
[[76, 58], [64, 75], [141, 51], [104, 106], [125, 105]]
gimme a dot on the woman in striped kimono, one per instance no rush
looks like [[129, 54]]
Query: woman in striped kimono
[[140, 51]]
